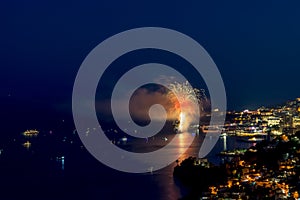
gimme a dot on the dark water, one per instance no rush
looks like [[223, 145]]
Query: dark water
[[161, 184], [38, 174]]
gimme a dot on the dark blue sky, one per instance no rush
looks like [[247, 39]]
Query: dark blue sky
[[255, 44]]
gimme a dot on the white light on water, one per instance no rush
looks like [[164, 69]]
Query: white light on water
[[181, 121]]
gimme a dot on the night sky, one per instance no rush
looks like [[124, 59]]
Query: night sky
[[255, 44]]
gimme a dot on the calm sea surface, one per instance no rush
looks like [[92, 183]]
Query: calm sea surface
[[159, 184], [37, 175]]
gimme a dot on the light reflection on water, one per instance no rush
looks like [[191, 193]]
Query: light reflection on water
[[158, 184], [169, 189]]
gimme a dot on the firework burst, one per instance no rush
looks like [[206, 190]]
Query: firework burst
[[187, 101]]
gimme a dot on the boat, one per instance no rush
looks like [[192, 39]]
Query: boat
[[223, 135], [124, 139], [211, 129], [252, 139], [31, 133]]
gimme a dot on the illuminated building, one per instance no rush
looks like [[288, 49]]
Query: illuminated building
[[296, 122], [273, 121]]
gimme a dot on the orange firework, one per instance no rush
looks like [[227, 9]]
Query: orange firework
[[184, 98]]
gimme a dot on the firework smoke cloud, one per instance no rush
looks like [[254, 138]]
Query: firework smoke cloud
[[180, 101]]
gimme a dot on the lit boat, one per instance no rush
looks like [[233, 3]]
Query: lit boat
[[223, 135], [252, 139], [27, 145], [211, 129], [124, 139], [31, 133], [249, 134]]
